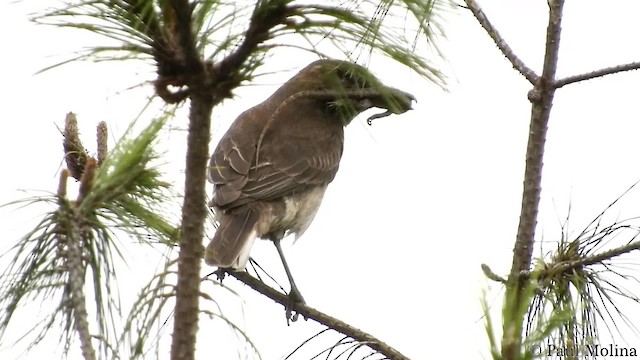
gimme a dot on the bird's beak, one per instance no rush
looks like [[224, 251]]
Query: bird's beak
[[394, 100], [397, 101]]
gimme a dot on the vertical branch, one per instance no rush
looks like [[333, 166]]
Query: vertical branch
[[76, 284], [194, 212], [183, 12], [541, 98], [83, 168], [187, 309], [73, 239], [206, 88]]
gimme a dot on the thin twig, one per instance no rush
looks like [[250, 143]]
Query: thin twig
[[596, 74], [502, 45], [491, 275], [320, 317]]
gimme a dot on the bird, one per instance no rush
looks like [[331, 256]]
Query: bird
[[271, 168]]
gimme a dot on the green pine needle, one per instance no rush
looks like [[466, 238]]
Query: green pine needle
[[127, 195]]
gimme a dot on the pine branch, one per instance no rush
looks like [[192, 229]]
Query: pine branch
[[542, 100], [183, 27], [567, 266], [266, 15], [506, 50], [185, 325], [310, 313], [207, 88], [194, 212], [596, 74], [73, 239], [76, 283]]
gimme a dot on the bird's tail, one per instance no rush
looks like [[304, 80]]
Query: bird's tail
[[232, 242]]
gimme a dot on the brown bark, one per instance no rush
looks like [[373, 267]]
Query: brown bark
[[330, 322], [541, 98], [187, 309], [185, 326]]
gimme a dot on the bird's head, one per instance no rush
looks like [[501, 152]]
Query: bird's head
[[349, 89]]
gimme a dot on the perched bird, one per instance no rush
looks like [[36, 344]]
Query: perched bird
[[272, 167]]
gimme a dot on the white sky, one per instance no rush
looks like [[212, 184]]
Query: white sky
[[421, 200]]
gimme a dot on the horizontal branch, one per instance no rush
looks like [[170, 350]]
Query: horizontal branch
[[320, 317], [502, 45], [596, 74], [591, 260], [570, 265]]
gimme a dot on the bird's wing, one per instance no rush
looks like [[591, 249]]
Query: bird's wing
[[293, 165], [229, 169], [290, 159]]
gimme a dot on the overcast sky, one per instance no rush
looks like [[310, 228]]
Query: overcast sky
[[421, 199]]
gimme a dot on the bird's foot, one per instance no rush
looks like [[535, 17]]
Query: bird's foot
[[293, 300], [221, 273]]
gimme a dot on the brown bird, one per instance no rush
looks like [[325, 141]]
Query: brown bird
[[272, 167]]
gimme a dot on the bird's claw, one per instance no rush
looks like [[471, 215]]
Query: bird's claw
[[293, 300], [220, 273]]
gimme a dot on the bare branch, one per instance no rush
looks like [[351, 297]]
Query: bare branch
[[320, 317], [265, 17], [541, 103], [540, 112], [194, 211], [502, 45], [596, 74]]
